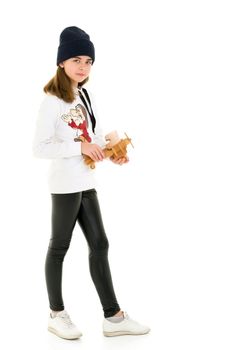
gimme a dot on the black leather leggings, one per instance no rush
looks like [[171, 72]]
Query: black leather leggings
[[66, 210]]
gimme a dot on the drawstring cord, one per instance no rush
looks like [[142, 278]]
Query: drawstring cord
[[90, 111]]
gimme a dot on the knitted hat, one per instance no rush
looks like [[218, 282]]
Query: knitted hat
[[73, 42]]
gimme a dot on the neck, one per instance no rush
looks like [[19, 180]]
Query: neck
[[75, 86]]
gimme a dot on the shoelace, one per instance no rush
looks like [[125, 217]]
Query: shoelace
[[66, 319], [126, 316]]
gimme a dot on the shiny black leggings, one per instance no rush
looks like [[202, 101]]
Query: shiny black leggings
[[66, 210]]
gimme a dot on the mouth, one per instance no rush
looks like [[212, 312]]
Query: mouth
[[81, 75]]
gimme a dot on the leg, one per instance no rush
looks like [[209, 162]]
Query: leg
[[90, 221], [65, 208]]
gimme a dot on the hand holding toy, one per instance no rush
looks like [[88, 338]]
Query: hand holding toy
[[116, 148]]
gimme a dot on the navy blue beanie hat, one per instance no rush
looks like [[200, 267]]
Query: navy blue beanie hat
[[74, 42]]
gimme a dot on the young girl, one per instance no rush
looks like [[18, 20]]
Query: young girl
[[67, 129]]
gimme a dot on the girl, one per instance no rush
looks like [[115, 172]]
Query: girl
[[67, 129]]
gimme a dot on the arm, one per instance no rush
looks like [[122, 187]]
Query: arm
[[99, 138], [45, 143]]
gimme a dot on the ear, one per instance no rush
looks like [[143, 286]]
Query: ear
[[61, 65]]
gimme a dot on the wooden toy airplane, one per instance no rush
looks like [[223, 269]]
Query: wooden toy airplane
[[116, 148]]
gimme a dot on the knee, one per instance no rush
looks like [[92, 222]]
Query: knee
[[58, 248], [99, 247]]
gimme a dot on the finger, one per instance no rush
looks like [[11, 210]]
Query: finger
[[94, 156], [119, 161], [100, 152], [124, 160], [99, 156]]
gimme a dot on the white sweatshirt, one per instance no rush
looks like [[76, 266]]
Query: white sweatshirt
[[58, 124]]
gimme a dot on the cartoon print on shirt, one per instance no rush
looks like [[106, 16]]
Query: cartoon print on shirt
[[77, 119]]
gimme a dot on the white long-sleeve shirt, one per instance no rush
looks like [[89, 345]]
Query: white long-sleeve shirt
[[58, 124]]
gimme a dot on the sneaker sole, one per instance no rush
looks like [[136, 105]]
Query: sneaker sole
[[113, 334], [54, 331]]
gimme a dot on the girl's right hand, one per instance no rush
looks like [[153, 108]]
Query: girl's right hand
[[92, 150]]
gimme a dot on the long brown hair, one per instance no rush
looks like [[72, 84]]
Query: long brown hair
[[60, 86]]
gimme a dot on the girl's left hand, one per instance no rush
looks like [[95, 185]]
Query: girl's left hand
[[120, 161]]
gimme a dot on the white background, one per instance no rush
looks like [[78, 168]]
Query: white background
[[163, 74]]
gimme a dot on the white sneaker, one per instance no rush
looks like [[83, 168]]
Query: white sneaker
[[62, 326], [126, 326]]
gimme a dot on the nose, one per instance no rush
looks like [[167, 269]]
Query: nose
[[82, 66]]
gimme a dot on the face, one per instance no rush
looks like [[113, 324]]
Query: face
[[77, 68]]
